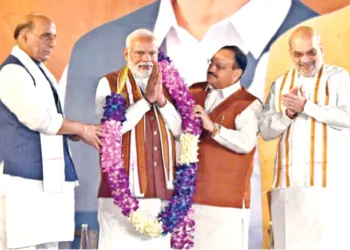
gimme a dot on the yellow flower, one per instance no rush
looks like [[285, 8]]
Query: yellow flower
[[188, 148], [145, 225]]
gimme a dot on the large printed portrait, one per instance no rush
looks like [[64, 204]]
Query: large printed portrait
[[91, 36]]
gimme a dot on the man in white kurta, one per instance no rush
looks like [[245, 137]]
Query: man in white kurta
[[37, 175], [141, 54], [308, 109], [230, 117]]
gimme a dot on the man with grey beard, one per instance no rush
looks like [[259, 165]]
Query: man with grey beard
[[308, 109], [150, 117]]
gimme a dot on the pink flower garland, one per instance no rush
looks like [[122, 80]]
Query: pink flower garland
[[176, 217]]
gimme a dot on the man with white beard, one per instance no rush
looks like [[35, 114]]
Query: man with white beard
[[150, 117]]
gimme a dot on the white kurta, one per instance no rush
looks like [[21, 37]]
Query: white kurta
[[251, 35], [28, 215], [309, 193], [221, 227]]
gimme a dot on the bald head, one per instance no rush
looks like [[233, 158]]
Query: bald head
[[304, 33], [36, 35], [306, 50]]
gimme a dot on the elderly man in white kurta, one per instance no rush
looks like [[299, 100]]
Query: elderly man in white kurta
[[37, 174], [308, 109], [147, 110]]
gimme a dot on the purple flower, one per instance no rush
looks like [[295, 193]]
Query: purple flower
[[176, 217]]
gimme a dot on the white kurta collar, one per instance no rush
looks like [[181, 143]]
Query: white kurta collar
[[255, 21]]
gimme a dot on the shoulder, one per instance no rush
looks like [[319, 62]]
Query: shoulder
[[198, 86], [112, 75], [14, 71], [249, 96], [337, 76], [336, 71], [280, 78]]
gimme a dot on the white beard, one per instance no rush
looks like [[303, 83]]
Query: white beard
[[141, 74]]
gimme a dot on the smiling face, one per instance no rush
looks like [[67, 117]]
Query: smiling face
[[306, 52], [40, 40], [141, 56], [222, 71]]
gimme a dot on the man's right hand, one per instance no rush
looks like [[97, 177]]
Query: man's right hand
[[152, 84], [91, 135]]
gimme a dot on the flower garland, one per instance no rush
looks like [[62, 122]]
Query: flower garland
[[176, 217]]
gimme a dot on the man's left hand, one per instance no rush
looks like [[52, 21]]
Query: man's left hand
[[208, 124], [295, 103], [160, 100]]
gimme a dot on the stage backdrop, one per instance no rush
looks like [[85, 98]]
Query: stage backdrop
[[77, 17]]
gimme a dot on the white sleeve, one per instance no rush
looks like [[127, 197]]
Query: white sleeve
[[272, 122], [337, 116], [21, 97], [171, 118], [242, 140], [134, 112]]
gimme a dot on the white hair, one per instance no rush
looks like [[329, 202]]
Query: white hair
[[139, 33]]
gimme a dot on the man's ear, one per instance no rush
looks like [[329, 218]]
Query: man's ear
[[238, 73], [23, 35], [126, 54]]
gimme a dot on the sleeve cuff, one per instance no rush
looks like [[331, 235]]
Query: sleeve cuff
[[55, 124], [143, 105], [309, 108], [166, 108], [285, 120]]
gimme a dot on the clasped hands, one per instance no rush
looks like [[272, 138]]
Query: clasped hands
[[154, 89], [293, 102]]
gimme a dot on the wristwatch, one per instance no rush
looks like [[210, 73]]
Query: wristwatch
[[216, 130]]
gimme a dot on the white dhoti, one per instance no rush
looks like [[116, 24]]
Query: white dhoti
[[309, 218], [116, 232], [220, 228], [31, 217]]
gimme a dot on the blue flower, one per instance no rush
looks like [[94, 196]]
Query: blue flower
[[115, 108], [161, 57]]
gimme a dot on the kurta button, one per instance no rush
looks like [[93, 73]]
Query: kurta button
[[155, 132], [155, 148], [152, 118], [155, 164]]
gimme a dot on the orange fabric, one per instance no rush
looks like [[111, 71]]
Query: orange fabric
[[324, 127], [140, 139], [312, 142], [313, 128], [114, 79]]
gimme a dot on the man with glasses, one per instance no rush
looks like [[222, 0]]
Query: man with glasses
[[230, 116], [308, 110], [37, 174]]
